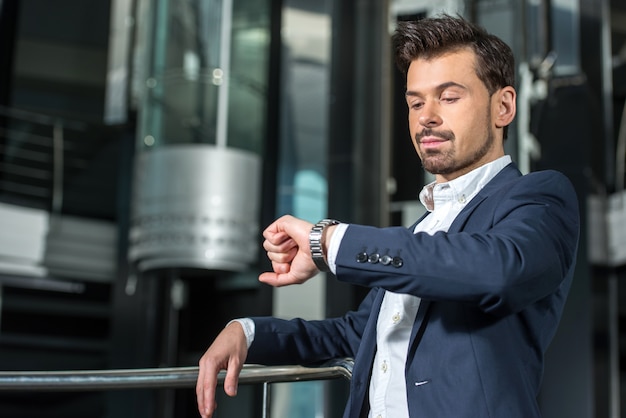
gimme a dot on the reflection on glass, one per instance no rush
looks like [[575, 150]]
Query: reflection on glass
[[207, 74]]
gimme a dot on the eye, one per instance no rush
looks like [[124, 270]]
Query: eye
[[449, 96], [416, 105], [449, 99]]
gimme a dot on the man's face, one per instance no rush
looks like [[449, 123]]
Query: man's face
[[455, 125]]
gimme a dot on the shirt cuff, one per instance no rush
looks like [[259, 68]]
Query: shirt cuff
[[333, 246], [248, 328]]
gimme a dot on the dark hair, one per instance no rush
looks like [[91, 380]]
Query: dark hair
[[431, 37]]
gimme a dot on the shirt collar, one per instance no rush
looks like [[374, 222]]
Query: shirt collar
[[463, 188]]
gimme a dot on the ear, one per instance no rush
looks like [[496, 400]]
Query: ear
[[504, 106]]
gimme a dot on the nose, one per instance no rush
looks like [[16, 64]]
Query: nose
[[429, 117]]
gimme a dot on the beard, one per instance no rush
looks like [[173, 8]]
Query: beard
[[447, 162]]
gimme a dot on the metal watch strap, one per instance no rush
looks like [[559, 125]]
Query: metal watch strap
[[316, 237]]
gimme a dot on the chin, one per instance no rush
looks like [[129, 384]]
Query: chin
[[437, 167]]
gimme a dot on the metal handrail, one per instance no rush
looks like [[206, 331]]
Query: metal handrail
[[42, 150], [40, 118], [165, 377]]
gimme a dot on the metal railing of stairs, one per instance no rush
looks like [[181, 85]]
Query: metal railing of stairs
[[167, 378]]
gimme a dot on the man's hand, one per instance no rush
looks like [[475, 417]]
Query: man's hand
[[228, 352], [287, 246]]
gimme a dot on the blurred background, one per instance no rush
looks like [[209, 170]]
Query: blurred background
[[145, 144]]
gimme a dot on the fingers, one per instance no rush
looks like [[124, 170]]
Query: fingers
[[228, 351], [288, 228], [205, 388], [282, 257], [231, 381], [280, 248], [280, 245]]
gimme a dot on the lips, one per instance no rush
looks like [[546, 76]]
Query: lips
[[429, 144], [430, 139]]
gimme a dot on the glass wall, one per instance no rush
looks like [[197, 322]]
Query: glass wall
[[206, 80], [306, 35]]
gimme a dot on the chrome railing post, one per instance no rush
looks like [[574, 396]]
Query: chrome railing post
[[267, 400]]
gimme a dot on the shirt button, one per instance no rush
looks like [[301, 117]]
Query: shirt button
[[396, 318], [379, 416], [384, 367], [462, 199]]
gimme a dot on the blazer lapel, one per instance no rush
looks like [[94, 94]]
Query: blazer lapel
[[508, 173]]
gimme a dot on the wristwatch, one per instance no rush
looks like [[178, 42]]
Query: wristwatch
[[316, 237]]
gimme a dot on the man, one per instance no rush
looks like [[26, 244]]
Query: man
[[463, 304]]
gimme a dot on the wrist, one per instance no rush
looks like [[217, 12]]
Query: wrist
[[328, 236], [247, 326]]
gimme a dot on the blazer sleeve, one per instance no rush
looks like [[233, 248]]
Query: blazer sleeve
[[509, 248], [309, 341]]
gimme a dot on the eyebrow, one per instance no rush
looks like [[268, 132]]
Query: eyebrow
[[443, 86]]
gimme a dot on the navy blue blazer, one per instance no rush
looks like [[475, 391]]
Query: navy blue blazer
[[492, 288]]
